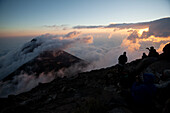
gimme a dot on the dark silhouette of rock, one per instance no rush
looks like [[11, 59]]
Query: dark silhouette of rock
[[122, 59]]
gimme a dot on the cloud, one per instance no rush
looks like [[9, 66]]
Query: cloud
[[133, 36], [72, 34], [119, 26], [24, 82], [88, 39], [87, 27], [89, 53], [130, 45], [158, 33], [63, 27], [128, 25], [158, 28]]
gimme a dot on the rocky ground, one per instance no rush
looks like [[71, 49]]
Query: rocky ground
[[97, 91]]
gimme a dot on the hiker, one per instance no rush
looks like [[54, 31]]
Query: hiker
[[144, 55], [143, 92], [166, 53], [152, 52], [122, 59]]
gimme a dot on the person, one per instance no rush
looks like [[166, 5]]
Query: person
[[152, 52], [144, 55], [122, 59], [144, 92], [166, 53]]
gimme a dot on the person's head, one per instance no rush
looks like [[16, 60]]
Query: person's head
[[151, 48], [124, 53], [166, 49], [148, 78]]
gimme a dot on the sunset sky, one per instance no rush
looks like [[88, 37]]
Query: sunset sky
[[36, 17]]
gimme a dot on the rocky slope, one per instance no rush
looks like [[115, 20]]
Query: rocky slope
[[97, 91]]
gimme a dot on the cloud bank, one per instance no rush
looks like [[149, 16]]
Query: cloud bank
[[23, 83], [158, 28]]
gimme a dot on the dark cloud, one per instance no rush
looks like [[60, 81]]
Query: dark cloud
[[158, 28], [120, 26], [63, 26], [133, 36], [87, 27], [128, 26]]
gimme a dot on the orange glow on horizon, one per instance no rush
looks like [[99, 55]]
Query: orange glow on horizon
[[37, 32]]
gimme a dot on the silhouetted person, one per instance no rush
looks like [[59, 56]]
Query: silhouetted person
[[122, 58], [144, 55], [166, 52], [152, 52]]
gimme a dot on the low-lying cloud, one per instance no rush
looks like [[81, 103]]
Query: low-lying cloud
[[23, 82]]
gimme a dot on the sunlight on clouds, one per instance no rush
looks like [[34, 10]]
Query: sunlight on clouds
[[140, 31], [156, 39], [130, 45], [88, 39]]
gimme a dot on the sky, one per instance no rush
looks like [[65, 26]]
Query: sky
[[33, 17]]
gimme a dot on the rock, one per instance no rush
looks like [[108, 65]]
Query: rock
[[120, 110], [63, 89], [110, 88]]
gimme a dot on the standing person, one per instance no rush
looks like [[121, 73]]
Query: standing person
[[122, 59]]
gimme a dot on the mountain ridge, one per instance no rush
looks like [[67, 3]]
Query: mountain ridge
[[46, 61]]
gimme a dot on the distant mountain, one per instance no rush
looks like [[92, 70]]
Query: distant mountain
[[46, 62]]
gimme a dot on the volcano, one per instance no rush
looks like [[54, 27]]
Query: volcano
[[46, 62]]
